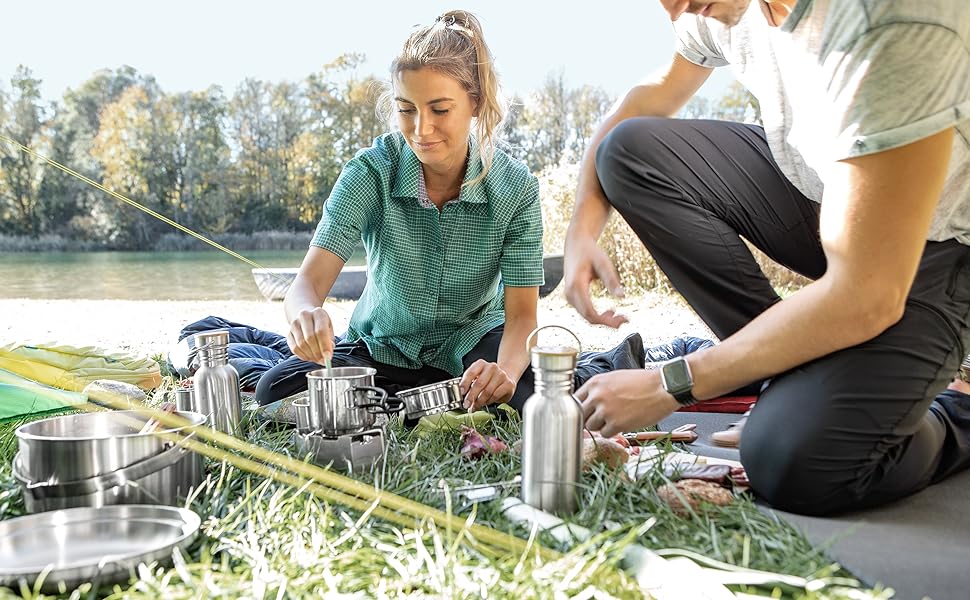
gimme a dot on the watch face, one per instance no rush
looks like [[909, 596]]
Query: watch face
[[676, 376]]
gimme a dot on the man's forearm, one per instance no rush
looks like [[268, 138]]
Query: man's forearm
[[815, 321]]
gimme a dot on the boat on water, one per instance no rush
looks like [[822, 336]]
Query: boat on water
[[273, 283]]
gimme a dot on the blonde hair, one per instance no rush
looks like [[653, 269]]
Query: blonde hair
[[455, 47]]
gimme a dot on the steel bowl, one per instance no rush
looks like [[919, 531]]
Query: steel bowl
[[431, 399]]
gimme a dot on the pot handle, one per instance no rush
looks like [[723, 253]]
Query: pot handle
[[381, 403], [121, 477]]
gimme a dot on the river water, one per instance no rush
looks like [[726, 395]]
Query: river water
[[201, 275]]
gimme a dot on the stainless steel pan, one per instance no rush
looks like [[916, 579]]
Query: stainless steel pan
[[431, 399], [101, 545]]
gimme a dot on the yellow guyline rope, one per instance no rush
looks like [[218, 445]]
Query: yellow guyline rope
[[130, 202]]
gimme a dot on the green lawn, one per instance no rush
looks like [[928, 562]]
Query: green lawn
[[264, 539]]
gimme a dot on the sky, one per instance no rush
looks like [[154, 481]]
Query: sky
[[189, 45]]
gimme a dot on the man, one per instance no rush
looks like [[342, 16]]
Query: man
[[859, 180]]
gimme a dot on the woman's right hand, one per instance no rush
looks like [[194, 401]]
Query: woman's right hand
[[311, 335]]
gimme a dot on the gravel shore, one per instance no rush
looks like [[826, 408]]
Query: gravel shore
[[149, 327]]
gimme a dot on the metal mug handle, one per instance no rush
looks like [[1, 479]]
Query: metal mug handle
[[376, 405], [528, 340]]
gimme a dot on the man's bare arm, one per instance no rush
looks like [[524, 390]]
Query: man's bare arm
[[661, 95], [875, 217]]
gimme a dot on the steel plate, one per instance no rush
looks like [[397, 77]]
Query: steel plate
[[101, 545]]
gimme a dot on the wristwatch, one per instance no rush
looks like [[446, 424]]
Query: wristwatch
[[677, 380], [964, 371]]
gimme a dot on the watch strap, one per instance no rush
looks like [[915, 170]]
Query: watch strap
[[685, 398]]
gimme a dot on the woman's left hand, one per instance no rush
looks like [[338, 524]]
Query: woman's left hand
[[485, 383]]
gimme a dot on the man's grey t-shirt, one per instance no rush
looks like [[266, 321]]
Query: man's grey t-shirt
[[846, 78]]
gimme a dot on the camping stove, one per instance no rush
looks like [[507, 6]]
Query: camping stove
[[352, 452]]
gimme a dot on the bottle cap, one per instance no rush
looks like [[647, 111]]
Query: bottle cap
[[554, 358], [214, 339]]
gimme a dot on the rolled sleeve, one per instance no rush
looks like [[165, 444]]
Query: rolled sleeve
[[696, 42], [521, 262], [899, 83], [348, 210]]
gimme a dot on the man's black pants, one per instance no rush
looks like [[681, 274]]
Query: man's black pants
[[856, 428]]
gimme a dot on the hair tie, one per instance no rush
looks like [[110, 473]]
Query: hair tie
[[450, 22]]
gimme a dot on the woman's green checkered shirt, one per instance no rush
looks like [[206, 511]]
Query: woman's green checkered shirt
[[434, 279]]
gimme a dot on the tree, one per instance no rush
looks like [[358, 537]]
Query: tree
[[698, 107], [342, 119], [250, 135], [135, 147], [588, 104], [735, 104], [556, 123], [738, 104], [202, 196], [21, 172], [545, 122], [68, 203]]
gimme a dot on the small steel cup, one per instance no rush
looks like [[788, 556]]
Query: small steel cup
[[302, 412], [185, 399]]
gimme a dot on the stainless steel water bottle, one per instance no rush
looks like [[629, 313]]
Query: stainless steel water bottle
[[216, 383], [552, 431]]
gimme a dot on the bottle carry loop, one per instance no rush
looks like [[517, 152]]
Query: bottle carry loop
[[528, 340]]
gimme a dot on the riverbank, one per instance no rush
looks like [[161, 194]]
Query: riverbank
[[148, 328]]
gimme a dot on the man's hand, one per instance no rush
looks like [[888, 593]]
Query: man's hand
[[485, 383], [311, 336], [624, 400], [584, 262]]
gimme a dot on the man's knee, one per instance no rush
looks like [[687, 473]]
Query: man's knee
[[787, 469], [630, 139]]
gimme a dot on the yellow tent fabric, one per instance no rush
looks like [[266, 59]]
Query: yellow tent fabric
[[71, 368]]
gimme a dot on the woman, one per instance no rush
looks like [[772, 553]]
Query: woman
[[453, 234]]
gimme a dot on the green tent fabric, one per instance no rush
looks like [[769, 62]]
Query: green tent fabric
[[22, 397]]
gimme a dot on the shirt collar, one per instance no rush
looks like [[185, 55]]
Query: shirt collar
[[801, 7], [406, 181]]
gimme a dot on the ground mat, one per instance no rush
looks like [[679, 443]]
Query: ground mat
[[919, 546]]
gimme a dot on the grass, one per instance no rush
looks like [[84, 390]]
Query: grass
[[262, 539]]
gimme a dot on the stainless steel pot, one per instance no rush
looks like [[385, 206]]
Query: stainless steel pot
[[98, 459], [344, 400], [431, 399]]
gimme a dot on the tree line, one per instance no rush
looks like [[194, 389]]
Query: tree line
[[261, 159]]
